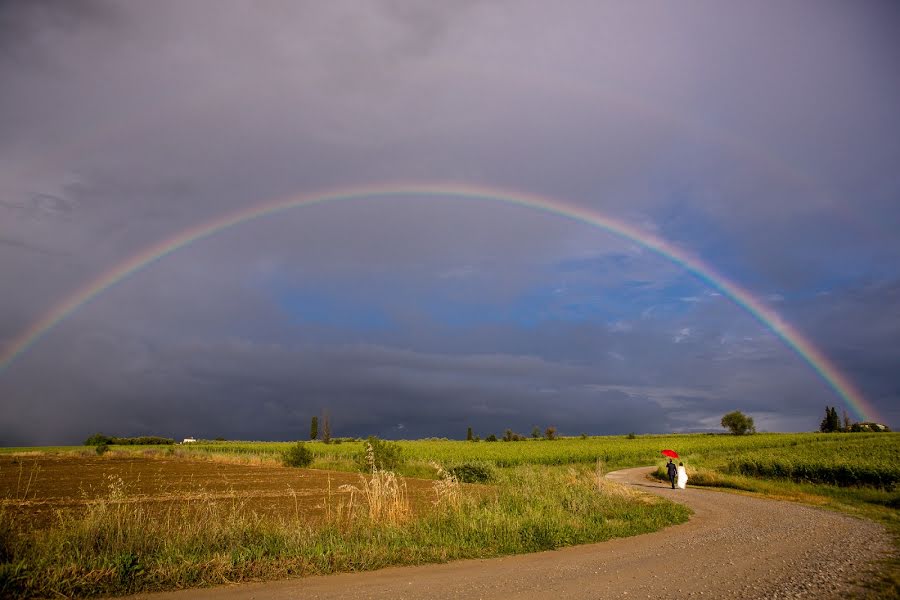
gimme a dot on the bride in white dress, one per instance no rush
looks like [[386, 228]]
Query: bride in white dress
[[682, 476]]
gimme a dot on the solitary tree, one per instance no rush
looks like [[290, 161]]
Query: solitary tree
[[469, 436], [536, 432], [314, 429], [738, 423], [550, 433]]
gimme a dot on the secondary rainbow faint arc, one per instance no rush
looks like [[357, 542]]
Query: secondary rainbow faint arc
[[839, 382]]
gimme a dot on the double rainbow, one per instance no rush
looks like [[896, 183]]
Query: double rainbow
[[765, 315]]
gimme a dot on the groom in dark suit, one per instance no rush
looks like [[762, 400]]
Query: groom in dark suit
[[673, 472]]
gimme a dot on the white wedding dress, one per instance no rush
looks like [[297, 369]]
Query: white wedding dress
[[682, 477]]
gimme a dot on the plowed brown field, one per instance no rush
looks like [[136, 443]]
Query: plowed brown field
[[36, 487]]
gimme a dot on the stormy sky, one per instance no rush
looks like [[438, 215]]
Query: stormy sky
[[762, 137]]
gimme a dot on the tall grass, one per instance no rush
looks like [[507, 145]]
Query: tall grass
[[384, 494], [116, 546]]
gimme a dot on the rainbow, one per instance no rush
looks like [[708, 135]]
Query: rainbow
[[794, 339]]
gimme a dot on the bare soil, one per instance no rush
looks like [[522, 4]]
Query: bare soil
[[35, 487], [734, 546]]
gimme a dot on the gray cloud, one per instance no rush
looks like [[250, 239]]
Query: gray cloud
[[762, 140]]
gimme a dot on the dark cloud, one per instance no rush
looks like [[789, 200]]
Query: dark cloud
[[763, 141], [26, 25]]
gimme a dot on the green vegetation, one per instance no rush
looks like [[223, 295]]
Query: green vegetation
[[849, 461], [714, 450], [297, 455], [738, 423], [541, 495], [314, 428], [118, 547], [472, 471], [98, 439], [379, 455], [831, 422]]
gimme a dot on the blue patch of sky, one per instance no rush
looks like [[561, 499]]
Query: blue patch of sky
[[331, 308], [569, 293], [597, 290]]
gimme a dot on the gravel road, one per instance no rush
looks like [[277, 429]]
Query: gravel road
[[734, 546]]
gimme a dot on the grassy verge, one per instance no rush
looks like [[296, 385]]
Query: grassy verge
[[117, 547]]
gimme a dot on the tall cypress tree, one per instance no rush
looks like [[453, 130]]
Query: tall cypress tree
[[834, 421], [831, 422], [314, 428]]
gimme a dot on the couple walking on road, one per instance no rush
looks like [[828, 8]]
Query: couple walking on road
[[677, 472]]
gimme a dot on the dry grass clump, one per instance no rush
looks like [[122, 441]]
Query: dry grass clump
[[384, 494], [447, 490], [24, 487]]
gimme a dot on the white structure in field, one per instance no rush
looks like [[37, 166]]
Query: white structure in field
[[188, 441]]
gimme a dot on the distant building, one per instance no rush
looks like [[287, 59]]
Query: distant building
[[188, 441], [870, 427]]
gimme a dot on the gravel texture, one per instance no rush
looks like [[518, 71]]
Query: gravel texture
[[734, 546]]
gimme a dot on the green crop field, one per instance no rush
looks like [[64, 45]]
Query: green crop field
[[845, 461], [872, 455]]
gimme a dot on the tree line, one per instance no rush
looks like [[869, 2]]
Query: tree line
[[98, 439], [833, 424]]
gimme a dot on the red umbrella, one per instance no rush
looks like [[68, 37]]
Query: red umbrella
[[670, 453]]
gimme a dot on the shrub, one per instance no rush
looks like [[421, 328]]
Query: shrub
[[631, 436], [297, 455], [472, 472], [102, 449], [97, 439], [550, 433], [379, 454], [491, 438]]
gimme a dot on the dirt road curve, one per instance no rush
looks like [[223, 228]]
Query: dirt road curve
[[733, 547]]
